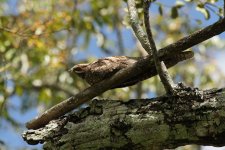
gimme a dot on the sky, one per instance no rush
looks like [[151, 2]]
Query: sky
[[9, 134]]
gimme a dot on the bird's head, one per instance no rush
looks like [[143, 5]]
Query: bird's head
[[79, 69]]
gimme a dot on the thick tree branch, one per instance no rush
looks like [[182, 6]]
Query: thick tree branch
[[193, 117], [160, 66], [82, 97]]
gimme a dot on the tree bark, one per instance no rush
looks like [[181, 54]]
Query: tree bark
[[191, 117]]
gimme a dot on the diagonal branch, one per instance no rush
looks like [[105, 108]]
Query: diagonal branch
[[160, 66], [138, 31], [193, 39], [89, 93], [56, 87]]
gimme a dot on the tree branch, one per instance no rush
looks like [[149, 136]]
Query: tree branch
[[196, 118], [50, 86], [56, 87], [138, 31], [119, 40], [84, 96], [160, 66], [193, 39], [119, 35]]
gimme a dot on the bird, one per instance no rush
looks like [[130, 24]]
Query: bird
[[104, 68]]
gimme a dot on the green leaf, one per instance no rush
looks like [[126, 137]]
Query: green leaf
[[19, 90], [45, 95]]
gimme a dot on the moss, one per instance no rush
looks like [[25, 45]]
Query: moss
[[221, 113], [202, 128], [181, 131], [164, 132]]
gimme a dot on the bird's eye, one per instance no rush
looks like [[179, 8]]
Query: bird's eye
[[78, 69]]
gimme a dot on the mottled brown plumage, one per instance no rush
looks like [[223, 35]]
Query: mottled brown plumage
[[104, 68]]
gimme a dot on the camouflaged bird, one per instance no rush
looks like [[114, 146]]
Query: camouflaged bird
[[104, 68]]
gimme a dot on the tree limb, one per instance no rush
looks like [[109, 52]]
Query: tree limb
[[89, 93], [56, 87], [66, 90], [160, 66], [138, 31], [193, 117], [193, 39]]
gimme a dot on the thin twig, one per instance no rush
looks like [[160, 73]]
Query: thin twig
[[119, 36], [138, 31], [31, 35], [13, 32], [160, 66], [212, 10], [55, 87], [119, 39]]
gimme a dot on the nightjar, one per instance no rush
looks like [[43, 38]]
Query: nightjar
[[104, 68]]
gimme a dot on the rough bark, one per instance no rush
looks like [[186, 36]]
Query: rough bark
[[192, 117]]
